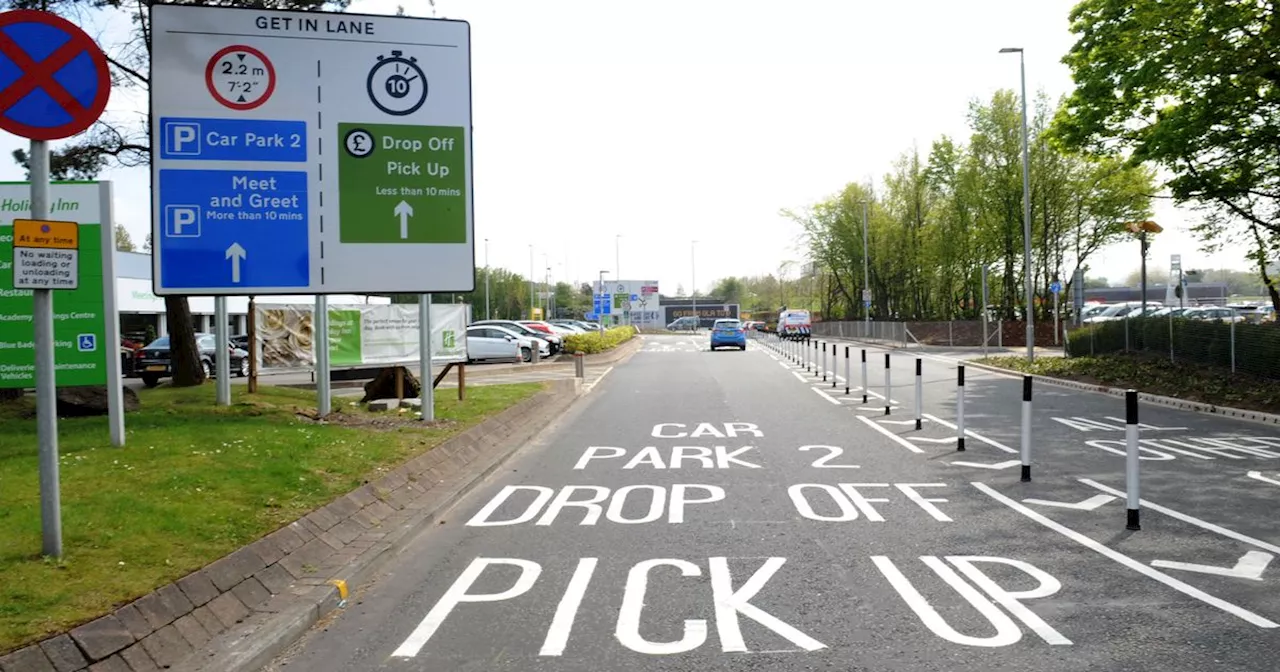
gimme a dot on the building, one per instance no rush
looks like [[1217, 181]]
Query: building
[[142, 313]]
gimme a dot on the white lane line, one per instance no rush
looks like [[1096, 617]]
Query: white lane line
[[904, 443], [925, 439], [1126, 561], [1203, 524], [799, 377], [873, 408], [826, 396], [1257, 475], [896, 422], [595, 382], [969, 432]]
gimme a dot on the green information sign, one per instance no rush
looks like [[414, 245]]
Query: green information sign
[[402, 184], [344, 338], [79, 325]]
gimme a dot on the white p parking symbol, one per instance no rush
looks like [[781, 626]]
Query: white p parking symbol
[[182, 221], [184, 139]]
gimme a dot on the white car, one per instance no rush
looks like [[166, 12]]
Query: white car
[[489, 343]]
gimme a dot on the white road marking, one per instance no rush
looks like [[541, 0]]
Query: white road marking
[[1250, 566], [896, 422], [979, 465], [567, 610], [875, 408], [926, 439], [1126, 561], [1258, 476], [592, 385], [905, 444], [826, 396], [799, 377], [968, 432], [1086, 505], [1188, 519]]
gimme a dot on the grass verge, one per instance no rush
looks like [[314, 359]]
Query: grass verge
[[1156, 376], [194, 482]]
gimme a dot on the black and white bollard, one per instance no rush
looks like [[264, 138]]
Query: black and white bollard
[[1026, 428], [846, 370], [919, 393], [888, 388], [823, 347], [1131, 459], [960, 408], [864, 375], [808, 356], [835, 357]]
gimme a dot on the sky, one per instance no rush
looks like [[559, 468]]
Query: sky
[[668, 122]]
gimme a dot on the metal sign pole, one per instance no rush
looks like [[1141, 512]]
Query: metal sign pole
[[427, 382], [320, 341], [46, 381], [222, 359]]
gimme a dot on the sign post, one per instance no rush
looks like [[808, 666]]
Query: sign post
[[1056, 288], [54, 95]]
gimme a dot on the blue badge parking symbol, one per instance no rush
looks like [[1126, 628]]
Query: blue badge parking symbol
[[87, 342]]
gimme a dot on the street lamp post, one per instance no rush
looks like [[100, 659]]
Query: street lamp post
[[487, 314], [600, 301], [693, 277], [617, 265], [1142, 229], [532, 299], [1026, 207], [866, 273]]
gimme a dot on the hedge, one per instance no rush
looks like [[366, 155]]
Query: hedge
[[1256, 347], [597, 342]]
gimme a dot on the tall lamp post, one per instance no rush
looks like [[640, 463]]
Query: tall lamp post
[[617, 266], [1026, 207], [693, 277], [866, 274], [487, 314], [1142, 229], [532, 300]]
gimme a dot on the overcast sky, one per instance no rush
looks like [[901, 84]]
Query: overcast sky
[[669, 122]]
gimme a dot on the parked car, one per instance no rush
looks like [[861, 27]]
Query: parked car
[[1213, 314], [728, 333], [688, 323], [1116, 311], [156, 363], [522, 329], [489, 343], [571, 326]]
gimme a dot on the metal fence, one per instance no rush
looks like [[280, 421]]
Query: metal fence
[[953, 333], [1241, 347]]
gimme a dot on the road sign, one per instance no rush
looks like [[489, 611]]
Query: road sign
[[240, 77], [306, 152], [46, 255], [866, 296], [1055, 286], [57, 82], [87, 310]]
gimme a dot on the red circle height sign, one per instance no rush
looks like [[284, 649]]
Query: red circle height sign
[[248, 84], [62, 90]]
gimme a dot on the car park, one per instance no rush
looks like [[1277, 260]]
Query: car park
[[157, 364], [728, 333], [491, 343], [553, 341], [1213, 314]]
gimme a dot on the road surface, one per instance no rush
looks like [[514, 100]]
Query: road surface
[[733, 511]]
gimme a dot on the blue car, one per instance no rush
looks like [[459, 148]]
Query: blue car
[[728, 333]]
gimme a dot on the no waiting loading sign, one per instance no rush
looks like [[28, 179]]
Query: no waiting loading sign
[[54, 80]]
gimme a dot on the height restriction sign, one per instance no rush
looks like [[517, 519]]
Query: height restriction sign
[[58, 83]]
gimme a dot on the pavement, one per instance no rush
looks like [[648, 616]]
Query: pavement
[[734, 511]]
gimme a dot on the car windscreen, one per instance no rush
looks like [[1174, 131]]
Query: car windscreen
[[162, 342]]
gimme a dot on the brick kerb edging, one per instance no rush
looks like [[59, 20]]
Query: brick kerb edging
[[1171, 402], [240, 611]]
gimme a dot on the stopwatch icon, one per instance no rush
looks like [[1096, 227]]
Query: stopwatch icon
[[397, 85]]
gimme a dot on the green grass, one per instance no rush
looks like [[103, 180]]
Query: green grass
[[193, 483], [1156, 375]]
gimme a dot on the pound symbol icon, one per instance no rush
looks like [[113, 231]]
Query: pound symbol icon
[[359, 143], [397, 85]]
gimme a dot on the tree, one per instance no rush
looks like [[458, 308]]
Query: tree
[[124, 242], [128, 144], [1193, 87]]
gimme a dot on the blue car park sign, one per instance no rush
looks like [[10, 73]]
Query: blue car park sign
[[54, 81]]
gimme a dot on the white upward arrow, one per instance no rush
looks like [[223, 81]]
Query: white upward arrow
[[404, 211], [236, 254], [1086, 505], [1250, 566]]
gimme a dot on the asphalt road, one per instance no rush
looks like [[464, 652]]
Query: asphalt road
[[741, 514]]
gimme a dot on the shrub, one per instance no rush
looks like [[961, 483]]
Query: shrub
[[597, 342]]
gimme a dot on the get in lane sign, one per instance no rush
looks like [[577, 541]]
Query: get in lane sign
[[310, 153]]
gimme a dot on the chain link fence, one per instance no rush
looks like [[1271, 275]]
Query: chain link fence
[[1239, 346]]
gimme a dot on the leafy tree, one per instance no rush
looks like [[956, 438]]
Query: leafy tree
[[124, 242], [1192, 86], [128, 144]]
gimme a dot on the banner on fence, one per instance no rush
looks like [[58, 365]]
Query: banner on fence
[[359, 335]]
